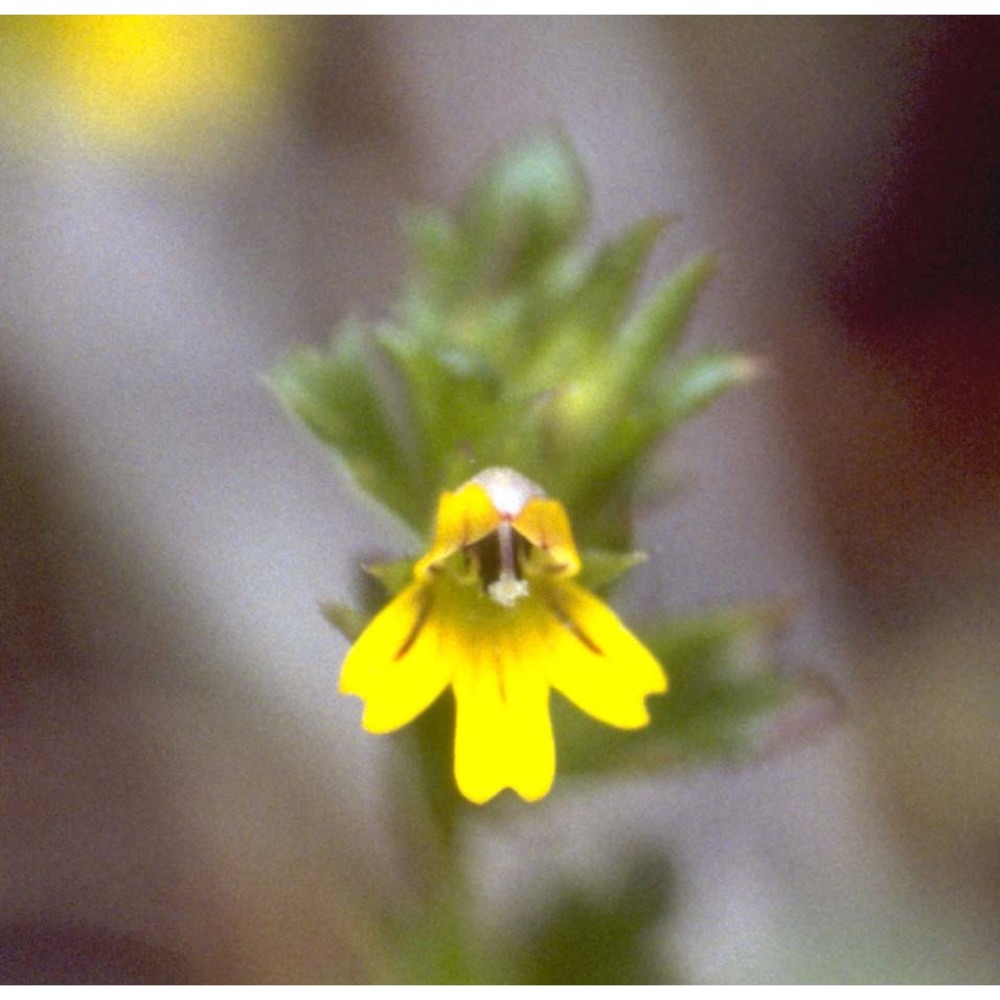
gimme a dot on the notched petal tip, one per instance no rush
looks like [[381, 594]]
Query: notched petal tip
[[503, 732], [480, 792], [596, 662], [395, 667]]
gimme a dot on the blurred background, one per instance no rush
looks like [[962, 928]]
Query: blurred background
[[183, 796]]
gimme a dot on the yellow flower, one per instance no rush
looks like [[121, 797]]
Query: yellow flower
[[494, 612], [158, 84]]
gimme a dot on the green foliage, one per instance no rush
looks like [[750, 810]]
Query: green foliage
[[337, 396], [511, 347]]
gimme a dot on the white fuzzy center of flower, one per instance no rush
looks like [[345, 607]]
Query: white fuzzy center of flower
[[509, 491]]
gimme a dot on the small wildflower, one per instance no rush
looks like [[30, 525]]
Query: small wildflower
[[170, 86], [494, 612]]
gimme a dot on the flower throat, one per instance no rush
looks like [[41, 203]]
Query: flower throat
[[497, 559]]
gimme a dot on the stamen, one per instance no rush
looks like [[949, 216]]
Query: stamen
[[507, 589], [505, 536]]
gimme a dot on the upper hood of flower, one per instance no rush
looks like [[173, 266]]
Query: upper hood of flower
[[491, 499]]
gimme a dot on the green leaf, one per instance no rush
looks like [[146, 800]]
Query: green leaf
[[655, 328], [394, 576], [455, 404], [523, 211], [336, 396], [348, 621], [434, 246], [608, 287], [603, 568], [692, 386]]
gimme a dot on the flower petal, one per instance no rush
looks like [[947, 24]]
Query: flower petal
[[544, 523], [503, 733], [594, 660], [463, 517], [395, 666]]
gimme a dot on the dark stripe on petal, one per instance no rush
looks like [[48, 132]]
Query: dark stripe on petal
[[555, 567], [560, 612], [418, 624]]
